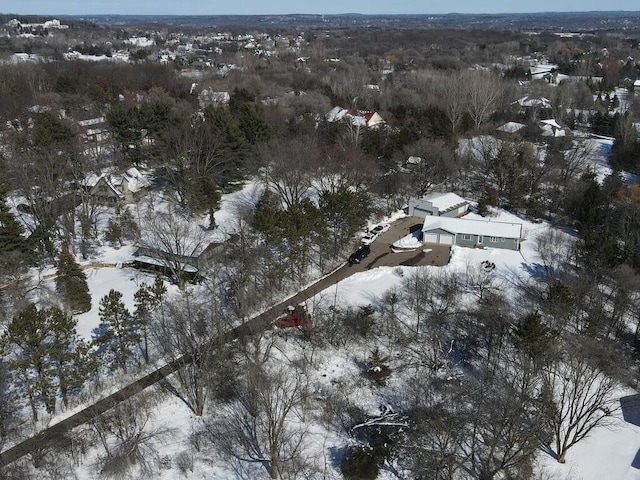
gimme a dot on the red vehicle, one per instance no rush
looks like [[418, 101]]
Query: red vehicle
[[295, 317]]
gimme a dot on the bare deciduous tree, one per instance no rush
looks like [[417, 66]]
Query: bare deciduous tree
[[173, 239], [579, 396], [264, 425], [289, 168], [186, 328], [554, 248], [452, 88], [127, 438], [437, 164], [483, 92]]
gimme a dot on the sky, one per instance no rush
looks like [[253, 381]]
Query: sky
[[257, 7]]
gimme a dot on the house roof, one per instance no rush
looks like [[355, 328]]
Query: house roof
[[163, 263], [136, 181], [511, 127], [356, 117], [445, 201], [551, 128], [92, 121], [528, 101], [473, 227]]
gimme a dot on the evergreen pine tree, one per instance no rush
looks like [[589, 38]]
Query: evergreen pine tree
[[14, 247], [7, 415], [117, 333], [147, 300], [27, 352], [533, 337], [12, 240], [68, 352], [71, 282]]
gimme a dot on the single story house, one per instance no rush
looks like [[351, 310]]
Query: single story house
[[413, 160], [472, 233], [156, 260], [199, 258], [438, 205], [534, 107]]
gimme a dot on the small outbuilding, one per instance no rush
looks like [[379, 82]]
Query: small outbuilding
[[438, 205]]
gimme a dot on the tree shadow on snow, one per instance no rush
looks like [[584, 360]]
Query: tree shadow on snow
[[336, 454], [535, 270]]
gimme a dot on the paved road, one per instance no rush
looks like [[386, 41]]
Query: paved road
[[381, 255]]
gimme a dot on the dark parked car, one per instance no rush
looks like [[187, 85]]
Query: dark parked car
[[360, 254]]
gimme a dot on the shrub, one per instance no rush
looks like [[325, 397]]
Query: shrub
[[377, 369], [360, 463]]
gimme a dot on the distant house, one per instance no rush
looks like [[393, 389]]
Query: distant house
[[534, 107], [472, 233], [551, 128], [94, 130], [636, 87], [355, 117], [209, 97], [511, 128], [413, 160], [438, 205], [111, 189]]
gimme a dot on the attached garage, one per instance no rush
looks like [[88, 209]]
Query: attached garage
[[430, 238], [446, 239], [441, 238]]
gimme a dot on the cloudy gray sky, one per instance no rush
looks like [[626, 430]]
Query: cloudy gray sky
[[248, 7]]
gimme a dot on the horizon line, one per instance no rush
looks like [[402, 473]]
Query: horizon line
[[313, 14]]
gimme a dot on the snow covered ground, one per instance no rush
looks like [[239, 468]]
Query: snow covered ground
[[608, 453]]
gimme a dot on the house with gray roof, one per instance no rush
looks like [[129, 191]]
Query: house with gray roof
[[472, 233]]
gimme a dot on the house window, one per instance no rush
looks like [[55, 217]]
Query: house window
[[494, 239], [466, 236]]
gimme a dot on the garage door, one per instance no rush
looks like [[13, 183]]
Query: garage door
[[430, 238], [446, 239], [418, 212]]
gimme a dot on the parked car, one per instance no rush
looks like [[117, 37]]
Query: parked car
[[360, 254], [369, 238], [381, 228]]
